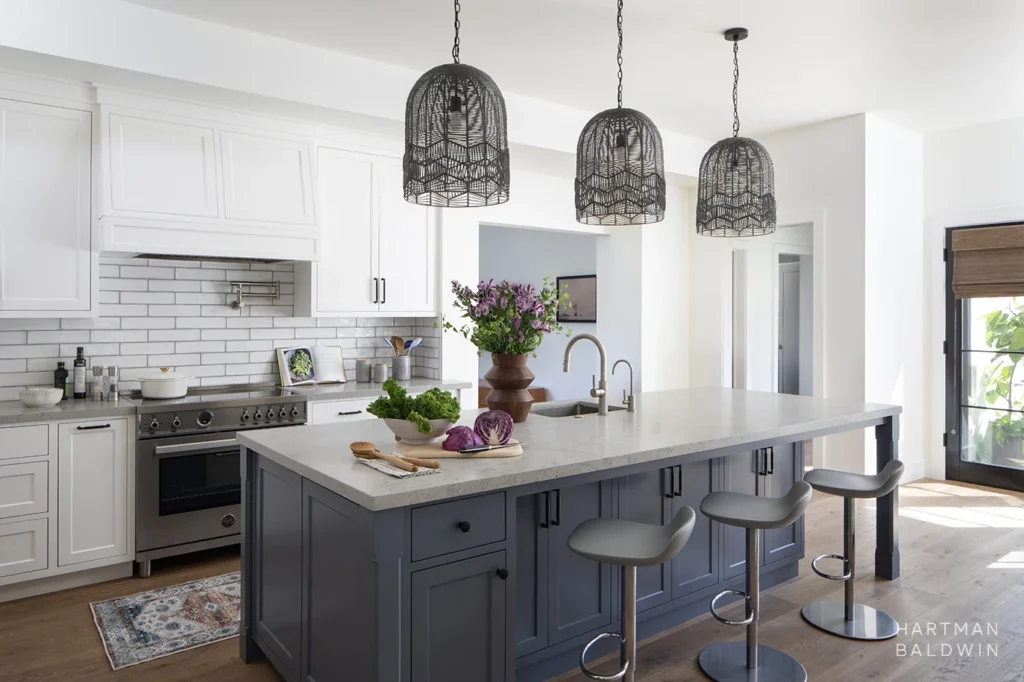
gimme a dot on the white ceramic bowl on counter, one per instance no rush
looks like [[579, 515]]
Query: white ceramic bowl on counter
[[40, 396], [165, 385], [408, 432]]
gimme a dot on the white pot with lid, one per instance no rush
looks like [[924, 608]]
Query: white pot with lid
[[165, 385]]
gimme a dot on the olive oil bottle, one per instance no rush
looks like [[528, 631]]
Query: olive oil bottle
[[80, 373], [60, 380]]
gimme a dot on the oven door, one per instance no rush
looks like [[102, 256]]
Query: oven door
[[188, 490]]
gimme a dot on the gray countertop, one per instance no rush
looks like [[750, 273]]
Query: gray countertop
[[356, 390], [668, 424], [13, 412]]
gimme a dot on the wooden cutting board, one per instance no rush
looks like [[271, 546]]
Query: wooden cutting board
[[435, 451]]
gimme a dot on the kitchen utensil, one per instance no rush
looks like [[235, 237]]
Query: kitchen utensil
[[488, 448], [364, 450], [40, 396], [165, 385], [401, 368], [398, 343], [437, 452], [426, 463], [387, 342], [412, 343], [364, 371], [407, 432]]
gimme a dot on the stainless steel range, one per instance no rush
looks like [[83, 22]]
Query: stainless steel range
[[188, 475]]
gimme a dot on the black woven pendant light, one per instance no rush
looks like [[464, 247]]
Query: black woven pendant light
[[620, 167], [736, 189], [456, 140]]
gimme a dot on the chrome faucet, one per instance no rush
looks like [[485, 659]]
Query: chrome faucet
[[600, 389], [630, 400]]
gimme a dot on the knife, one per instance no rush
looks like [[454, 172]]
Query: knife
[[485, 448]]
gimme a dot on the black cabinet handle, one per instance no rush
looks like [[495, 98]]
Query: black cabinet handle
[[558, 508], [542, 500], [463, 526], [771, 467], [679, 481], [349, 413], [762, 461], [376, 290], [94, 427], [667, 482], [502, 573], [384, 289]]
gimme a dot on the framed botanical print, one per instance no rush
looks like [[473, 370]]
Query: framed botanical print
[[581, 306]]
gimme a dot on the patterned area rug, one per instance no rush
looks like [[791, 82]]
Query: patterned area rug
[[162, 622]]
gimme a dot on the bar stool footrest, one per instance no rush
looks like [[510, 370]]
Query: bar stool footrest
[[825, 574], [603, 678], [722, 619]]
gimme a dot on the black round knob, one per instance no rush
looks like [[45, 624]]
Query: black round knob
[[204, 418], [227, 520], [176, 422], [463, 526], [154, 425], [502, 573]]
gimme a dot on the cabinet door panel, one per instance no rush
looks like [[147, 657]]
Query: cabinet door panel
[[642, 499], [277, 577], [787, 468], [267, 179], [23, 547], [162, 167], [345, 275], [697, 564], [92, 484], [45, 214], [531, 575], [24, 489], [458, 621], [739, 475], [407, 249], [579, 589]]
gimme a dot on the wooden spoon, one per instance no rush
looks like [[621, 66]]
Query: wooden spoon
[[398, 344], [425, 463], [364, 450]]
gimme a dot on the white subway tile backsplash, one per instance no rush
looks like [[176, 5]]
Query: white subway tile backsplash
[[175, 314]]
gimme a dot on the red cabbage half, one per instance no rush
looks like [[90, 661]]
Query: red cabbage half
[[494, 426], [461, 437]]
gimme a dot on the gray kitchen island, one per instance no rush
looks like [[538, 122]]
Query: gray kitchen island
[[349, 575]]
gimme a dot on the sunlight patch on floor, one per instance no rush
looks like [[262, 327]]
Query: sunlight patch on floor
[[1011, 560], [967, 517]]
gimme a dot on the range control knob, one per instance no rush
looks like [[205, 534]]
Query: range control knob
[[176, 422], [154, 425], [246, 416], [270, 413], [259, 414], [204, 418], [295, 412]]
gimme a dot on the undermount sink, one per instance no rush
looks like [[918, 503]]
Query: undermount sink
[[572, 409]]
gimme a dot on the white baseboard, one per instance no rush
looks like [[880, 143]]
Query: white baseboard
[[67, 581]]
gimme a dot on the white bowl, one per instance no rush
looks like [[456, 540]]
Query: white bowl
[[40, 396], [407, 431]]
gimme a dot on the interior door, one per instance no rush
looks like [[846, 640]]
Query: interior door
[[789, 328], [346, 276], [407, 247], [45, 208]]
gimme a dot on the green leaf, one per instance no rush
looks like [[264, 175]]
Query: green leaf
[[1017, 340]]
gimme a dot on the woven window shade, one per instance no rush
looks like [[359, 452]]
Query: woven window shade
[[988, 261]]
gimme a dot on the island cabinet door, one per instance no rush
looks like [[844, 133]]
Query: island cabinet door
[[579, 590], [740, 474], [647, 498], [784, 466], [277, 574], [532, 522], [697, 564], [458, 621]]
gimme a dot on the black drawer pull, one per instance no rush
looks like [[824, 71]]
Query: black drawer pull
[[463, 526], [93, 427], [349, 413], [502, 573]]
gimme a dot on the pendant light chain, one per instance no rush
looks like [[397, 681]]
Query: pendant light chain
[[735, 88], [455, 47], [619, 57]]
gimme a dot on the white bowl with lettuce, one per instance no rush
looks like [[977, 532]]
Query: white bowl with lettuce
[[419, 420]]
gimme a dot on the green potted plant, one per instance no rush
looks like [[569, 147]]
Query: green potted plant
[[1004, 334], [509, 321]]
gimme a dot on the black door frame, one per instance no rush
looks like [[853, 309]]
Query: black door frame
[[957, 469]]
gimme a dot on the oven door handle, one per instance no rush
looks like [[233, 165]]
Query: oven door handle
[[204, 446]]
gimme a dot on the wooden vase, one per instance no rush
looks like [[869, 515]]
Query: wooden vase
[[509, 378]]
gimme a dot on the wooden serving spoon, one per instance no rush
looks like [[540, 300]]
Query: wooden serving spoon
[[364, 450]]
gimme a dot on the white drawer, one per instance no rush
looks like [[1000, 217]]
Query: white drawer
[[23, 547], [337, 411], [23, 489], [24, 441]]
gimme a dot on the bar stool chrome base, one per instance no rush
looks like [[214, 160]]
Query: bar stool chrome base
[[727, 662], [867, 623]]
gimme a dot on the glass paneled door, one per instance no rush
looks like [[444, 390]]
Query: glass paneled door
[[985, 390]]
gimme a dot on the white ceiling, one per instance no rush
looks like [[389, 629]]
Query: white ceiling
[[928, 64]]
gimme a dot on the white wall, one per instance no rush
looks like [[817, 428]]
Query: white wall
[[806, 325], [526, 256], [973, 176]]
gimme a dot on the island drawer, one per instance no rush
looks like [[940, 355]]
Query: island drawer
[[25, 441], [462, 524], [337, 411]]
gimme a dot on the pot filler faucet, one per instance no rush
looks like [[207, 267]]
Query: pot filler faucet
[[600, 389]]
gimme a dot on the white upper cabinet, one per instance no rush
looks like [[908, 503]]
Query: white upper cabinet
[[162, 167], [379, 252], [46, 258], [267, 179]]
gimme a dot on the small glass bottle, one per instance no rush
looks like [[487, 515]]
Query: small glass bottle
[[60, 380], [97, 383], [80, 374]]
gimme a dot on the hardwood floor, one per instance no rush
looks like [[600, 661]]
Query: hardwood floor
[[962, 549]]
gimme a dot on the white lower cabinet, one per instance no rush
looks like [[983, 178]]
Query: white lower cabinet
[[24, 489], [92, 509], [338, 411], [23, 547]]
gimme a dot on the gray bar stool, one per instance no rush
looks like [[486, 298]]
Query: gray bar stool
[[736, 661], [628, 544], [847, 618]]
